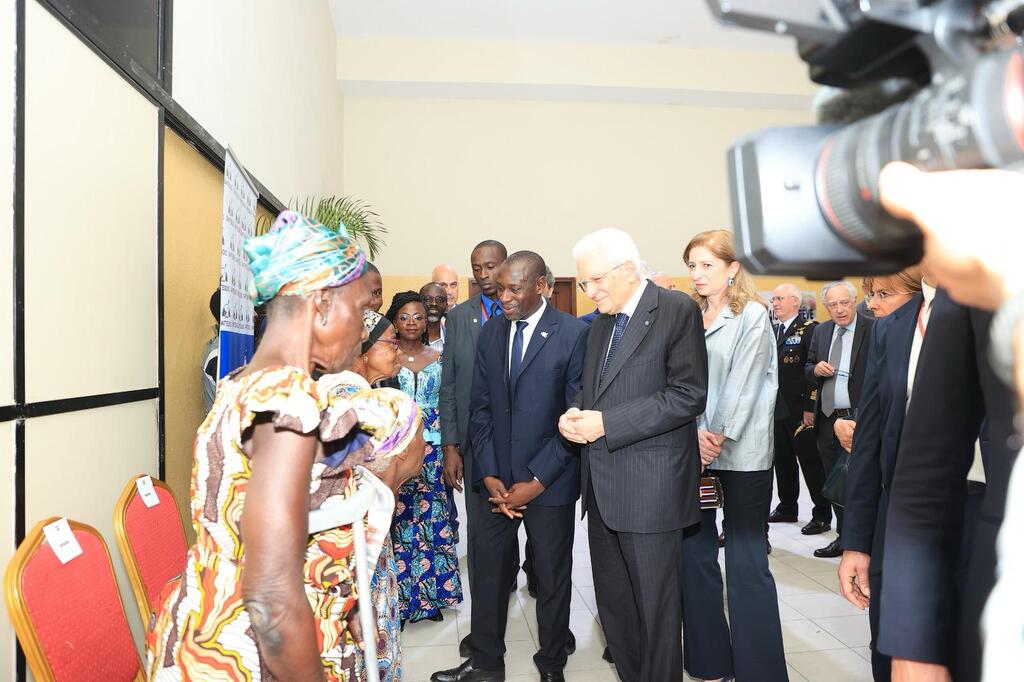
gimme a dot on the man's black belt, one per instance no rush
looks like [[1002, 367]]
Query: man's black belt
[[844, 413]]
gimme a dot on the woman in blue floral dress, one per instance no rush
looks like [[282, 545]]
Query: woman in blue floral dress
[[424, 544]]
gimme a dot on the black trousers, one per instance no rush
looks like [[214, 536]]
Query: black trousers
[[881, 664], [636, 579], [789, 449], [551, 532], [754, 650], [828, 448]]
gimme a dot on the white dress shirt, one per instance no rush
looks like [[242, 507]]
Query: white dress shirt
[[842, 392], [531, 324], [785, 324], [921, 326]]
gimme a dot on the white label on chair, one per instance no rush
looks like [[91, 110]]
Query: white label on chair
[[62, 540], [144, 485]]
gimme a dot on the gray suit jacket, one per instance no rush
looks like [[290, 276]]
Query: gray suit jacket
[[461, 333], [645, 470], [742, 387]]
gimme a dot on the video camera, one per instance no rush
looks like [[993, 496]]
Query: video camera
[[805, 199]]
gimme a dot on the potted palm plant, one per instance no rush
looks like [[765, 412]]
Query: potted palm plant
[[360, 221]]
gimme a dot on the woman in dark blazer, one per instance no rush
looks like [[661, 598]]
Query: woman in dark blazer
[[736, 439]]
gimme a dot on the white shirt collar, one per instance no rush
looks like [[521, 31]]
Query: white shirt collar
[[634, 301], [785, 323], [929, 292]]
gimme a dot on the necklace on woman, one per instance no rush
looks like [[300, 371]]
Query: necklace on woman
[[412, 358]]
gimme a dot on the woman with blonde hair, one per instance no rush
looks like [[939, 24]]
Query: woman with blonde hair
[[736, 439]]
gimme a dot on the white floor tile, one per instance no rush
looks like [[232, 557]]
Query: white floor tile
[[823, 605], [852, 631], [797, 583], [838, 665], [806, 635]]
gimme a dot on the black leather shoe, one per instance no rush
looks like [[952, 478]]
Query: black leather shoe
[[815, 527], [829, 551], [570, 646], [467, 673], [779, 516], [607, 655], [552, 677], [466, 647]]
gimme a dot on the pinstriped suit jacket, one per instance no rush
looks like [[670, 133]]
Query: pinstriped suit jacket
[[645, 470]]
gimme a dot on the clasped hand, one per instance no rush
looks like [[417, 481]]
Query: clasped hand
[[511, 501], [581, 426], [710, 445]]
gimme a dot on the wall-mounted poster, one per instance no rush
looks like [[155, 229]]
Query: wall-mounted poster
[[239, 223]]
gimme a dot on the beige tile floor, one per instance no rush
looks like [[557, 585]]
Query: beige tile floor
[[825, 638]]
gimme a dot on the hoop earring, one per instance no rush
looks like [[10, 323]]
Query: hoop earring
[[731, 281]]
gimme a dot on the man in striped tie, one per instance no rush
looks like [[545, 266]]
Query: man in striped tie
[[644, 384]]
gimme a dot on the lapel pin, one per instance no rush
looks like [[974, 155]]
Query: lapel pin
[[544, 334], [476, 321], [647, 323]]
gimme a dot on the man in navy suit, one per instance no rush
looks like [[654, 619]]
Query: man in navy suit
[[876, 441], [528, 368]]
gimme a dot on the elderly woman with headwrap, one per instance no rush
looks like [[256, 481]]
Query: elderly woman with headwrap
[[261, 598]]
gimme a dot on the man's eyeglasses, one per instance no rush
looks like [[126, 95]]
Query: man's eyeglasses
[[439, 300], [839, 305], [596, 280]]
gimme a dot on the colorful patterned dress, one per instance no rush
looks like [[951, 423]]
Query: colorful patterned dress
[[424, 544], [202, 631]]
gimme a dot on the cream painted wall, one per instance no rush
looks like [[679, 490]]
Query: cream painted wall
[[80, 462], [90, 221], [445, 174], [7, 72], [7, 668], [260, 75]]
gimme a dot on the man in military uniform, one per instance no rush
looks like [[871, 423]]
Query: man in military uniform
[[794, 416]]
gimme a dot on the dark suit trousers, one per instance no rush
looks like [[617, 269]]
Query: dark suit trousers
[[881, 664], [754, 651], [636, 579], [829, 448], [551, 532], [803, 448]]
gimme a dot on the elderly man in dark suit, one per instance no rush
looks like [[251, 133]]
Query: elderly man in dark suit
[[794, 413], [645, 384], [528, 368], [835, 365]]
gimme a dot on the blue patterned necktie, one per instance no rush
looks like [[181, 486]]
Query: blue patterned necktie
[[621, 320], [517, 353]]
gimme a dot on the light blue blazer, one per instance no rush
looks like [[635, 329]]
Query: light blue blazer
[[742, 386]]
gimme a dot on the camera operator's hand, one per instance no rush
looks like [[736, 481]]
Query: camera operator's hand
[[823, 369], [970, 220]]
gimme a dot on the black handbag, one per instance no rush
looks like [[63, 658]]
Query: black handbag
[[710, 492], [834, 488]]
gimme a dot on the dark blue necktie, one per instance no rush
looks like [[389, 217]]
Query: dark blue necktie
[[517, 353], [621, 320]]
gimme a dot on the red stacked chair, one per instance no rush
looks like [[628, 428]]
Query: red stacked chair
[[69, 616], [151, 541]]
